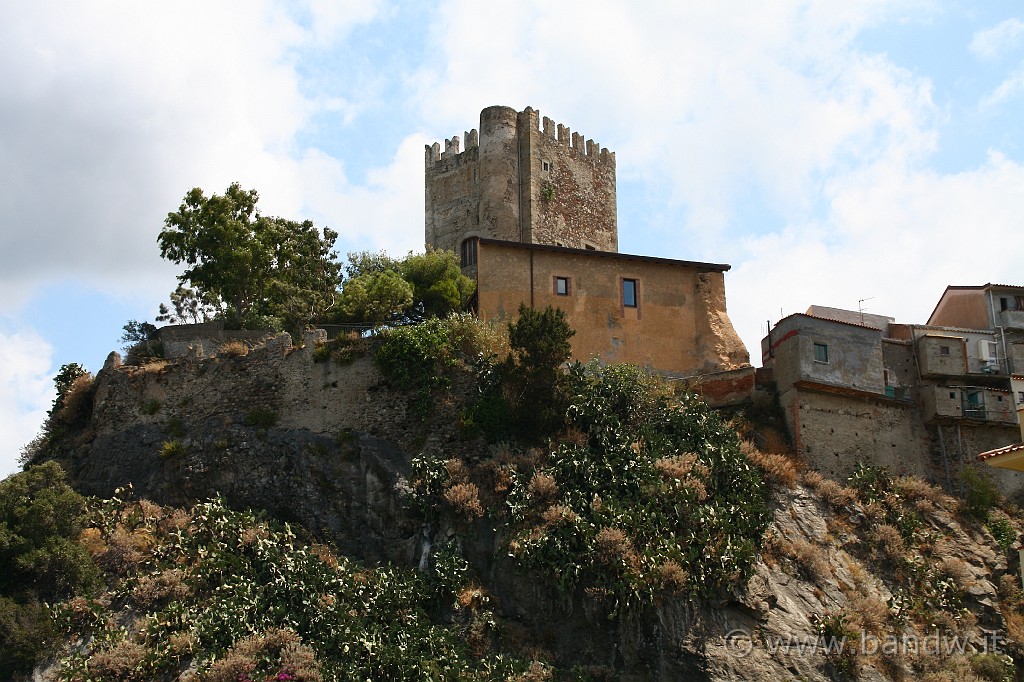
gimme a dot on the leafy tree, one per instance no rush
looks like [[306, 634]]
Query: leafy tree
[[375, 297], [368, 262], [532, 374], [65, 377], [137, 333], [380, 288], [41, 518], [255, 266], [437, 282], [189, 305]]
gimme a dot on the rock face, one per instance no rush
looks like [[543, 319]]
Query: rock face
[[330, 447]]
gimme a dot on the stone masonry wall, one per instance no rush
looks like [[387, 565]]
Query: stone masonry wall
[[834, 432]]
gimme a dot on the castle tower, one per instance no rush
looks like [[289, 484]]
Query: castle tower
[[523, 179]]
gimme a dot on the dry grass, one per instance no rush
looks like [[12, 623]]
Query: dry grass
[[120, 661], [612, 547], [835, 494], [888, 543], [160, 588], [924, 495], [868, 612], [125, 549], [542, 488], [233, 349], [464, 498], [672, 576], [457, 470], [813, 559], [684, 471], [778, 468], [556, 514], [278, 649], [957, 570], [77, 404], [775, 443]]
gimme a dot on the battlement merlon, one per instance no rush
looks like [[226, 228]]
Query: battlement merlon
[[563, 135], [544, 126]]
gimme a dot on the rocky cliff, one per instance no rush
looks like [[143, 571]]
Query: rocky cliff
[[914, 587]]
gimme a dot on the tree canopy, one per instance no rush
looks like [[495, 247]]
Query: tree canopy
[[253, 266], [380, 288]]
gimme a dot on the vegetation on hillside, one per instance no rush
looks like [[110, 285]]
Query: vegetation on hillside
[[210, 594], [610, 484]]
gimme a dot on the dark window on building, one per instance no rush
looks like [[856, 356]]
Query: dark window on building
[[545, 166], [943, 350], [952, 394], [563, 287], [821, 352], [629, 293], [468, 253], [589, 247], [1020, 397], [999, 398]]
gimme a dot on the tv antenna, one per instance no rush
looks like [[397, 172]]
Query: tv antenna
[[860, 307]]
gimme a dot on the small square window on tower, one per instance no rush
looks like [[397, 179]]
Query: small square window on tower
[[943, 350], [563, 286], [545, 166], [629, 293], [821, 352]]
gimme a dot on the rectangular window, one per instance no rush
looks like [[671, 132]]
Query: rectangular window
[[629, 293], [545, 166], [952, 394], [468, 253], [943, 350], [1020, 397], [563, 287], [821, 352]]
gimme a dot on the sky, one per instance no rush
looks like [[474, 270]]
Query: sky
[[855, 155]]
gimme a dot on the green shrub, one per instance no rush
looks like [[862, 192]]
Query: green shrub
[[652, 493], [41, 518], [172, 448], [1002, 530], [253, 602], [175, 427], [150, 407], [261, 418], [980, 493]]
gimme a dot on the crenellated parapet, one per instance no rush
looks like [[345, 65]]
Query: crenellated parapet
[[556, 133], [433, 153], [521, 177]]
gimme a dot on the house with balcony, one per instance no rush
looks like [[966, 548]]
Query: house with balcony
[[918, 399]]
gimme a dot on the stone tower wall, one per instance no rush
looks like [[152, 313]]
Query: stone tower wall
[[518, 181], [571, 186]]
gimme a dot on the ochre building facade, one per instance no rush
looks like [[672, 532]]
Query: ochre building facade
[[530, 208]]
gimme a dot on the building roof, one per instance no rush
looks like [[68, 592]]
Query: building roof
[[590, 253], [828, 319], [972, 287], [1009, 457]]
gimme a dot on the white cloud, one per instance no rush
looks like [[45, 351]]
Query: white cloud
[[893, 234], [26, 393], [1009, 88], [709, 101], [1001, 38], [111, 111]]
